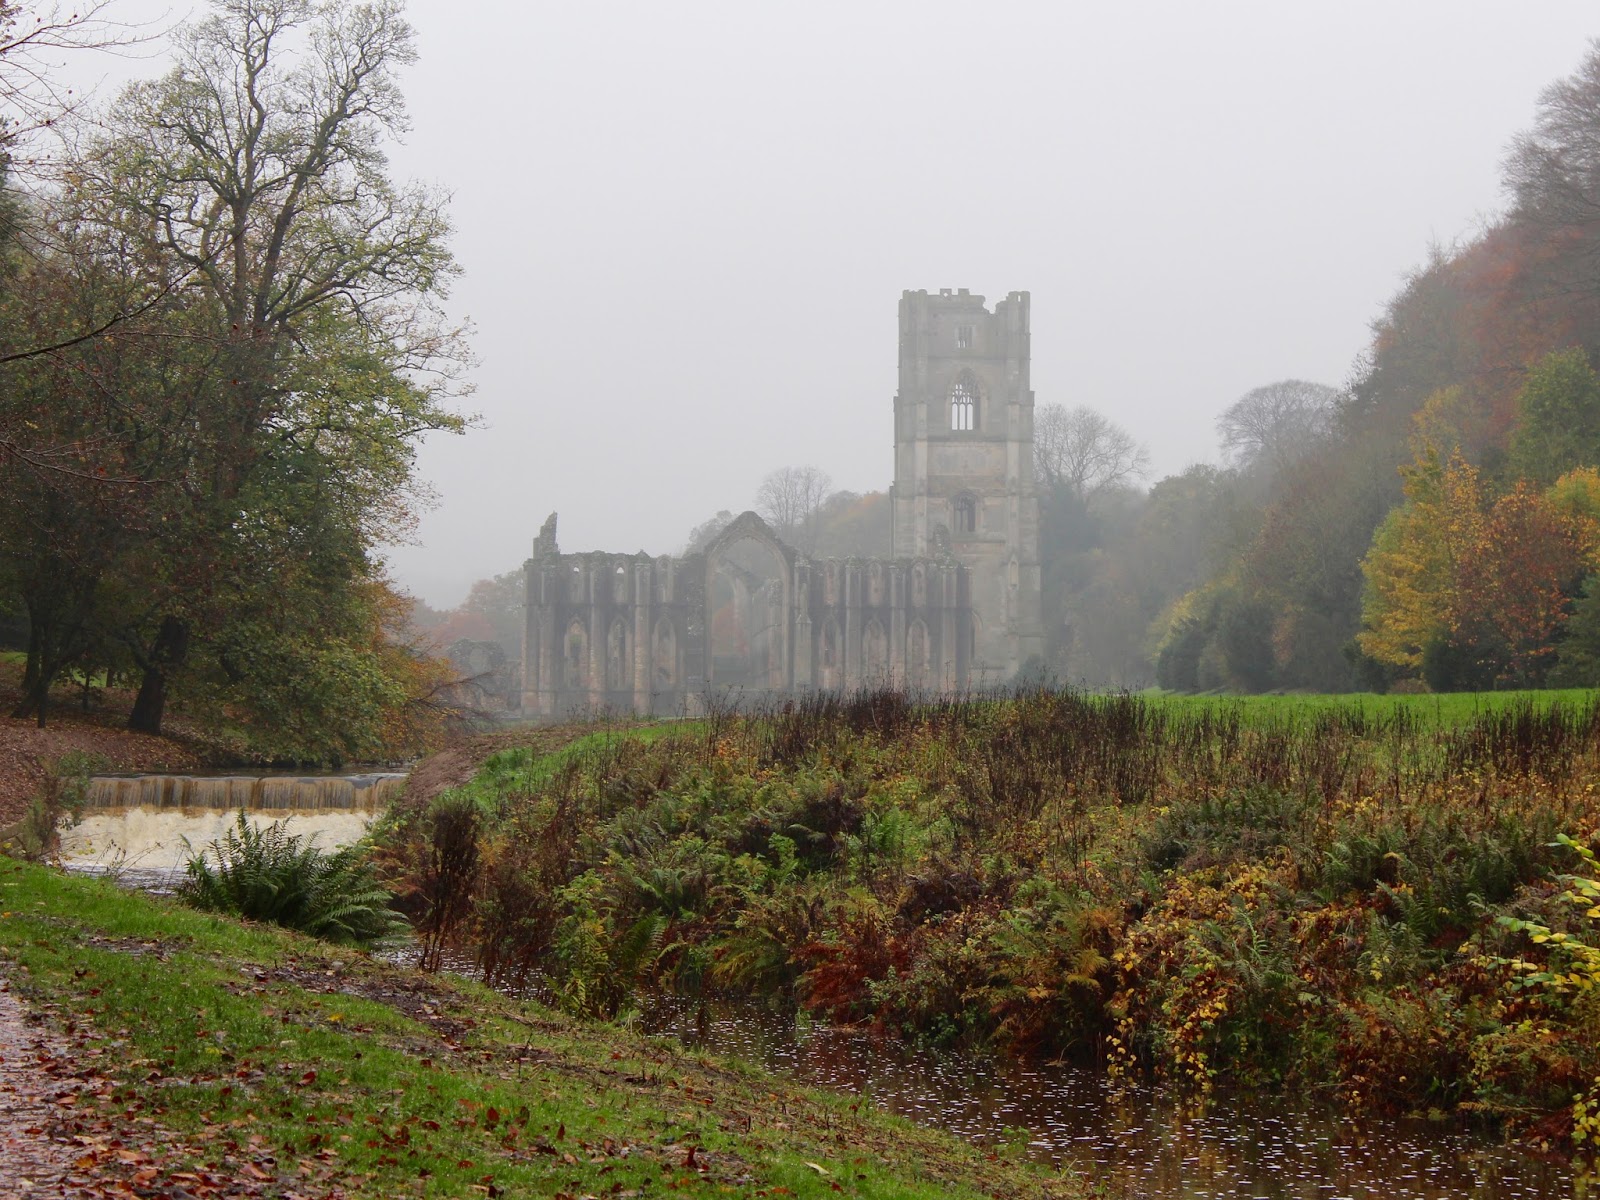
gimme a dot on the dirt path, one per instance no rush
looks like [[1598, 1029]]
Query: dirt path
[[458, 762], [35, 1159], [61, 1135]]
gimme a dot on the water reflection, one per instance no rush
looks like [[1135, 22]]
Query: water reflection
[[1132, 1141]]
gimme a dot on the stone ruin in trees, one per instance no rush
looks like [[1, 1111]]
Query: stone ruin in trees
[[957, 606]]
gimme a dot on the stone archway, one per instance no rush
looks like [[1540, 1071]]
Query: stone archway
[[830, 656], [749, 599], [874, 654], [664, 659], [619, 662], [575, 657], [919, 658]]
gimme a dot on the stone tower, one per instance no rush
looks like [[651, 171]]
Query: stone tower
[[963, 464]]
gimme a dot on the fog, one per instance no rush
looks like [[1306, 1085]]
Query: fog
[[684, 229]]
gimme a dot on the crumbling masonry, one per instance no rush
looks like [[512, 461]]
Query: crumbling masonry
[[957, 606]]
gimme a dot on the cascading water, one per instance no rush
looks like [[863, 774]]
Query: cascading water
[[254, 793], [145, 827]]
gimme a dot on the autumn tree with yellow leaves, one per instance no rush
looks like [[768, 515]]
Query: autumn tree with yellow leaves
[[1472, 592], [1412, 568]]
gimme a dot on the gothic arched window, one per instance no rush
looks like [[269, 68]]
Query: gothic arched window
[[963, 405], [964, 515]]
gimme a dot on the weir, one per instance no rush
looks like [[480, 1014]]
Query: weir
[[369, 792], [145, 827]]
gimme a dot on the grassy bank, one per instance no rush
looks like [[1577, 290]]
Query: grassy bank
[[1293, 891], [266, 1061], [1432, 711]]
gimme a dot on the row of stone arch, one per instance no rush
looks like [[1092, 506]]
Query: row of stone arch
[[658, 635], [877, 665], [619, 663]]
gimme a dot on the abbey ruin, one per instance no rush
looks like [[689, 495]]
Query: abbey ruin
[[956, 606]]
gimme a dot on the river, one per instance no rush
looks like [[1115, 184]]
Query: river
[[1133, 1140], [143, 828]]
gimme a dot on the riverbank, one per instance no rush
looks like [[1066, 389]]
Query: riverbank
[[202, 1056], [100, 734], [1325, 898], [28, 753]]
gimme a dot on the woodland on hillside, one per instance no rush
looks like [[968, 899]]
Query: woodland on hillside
[[1434, 524]]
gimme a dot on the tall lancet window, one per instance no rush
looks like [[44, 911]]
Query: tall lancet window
[[963, 405]]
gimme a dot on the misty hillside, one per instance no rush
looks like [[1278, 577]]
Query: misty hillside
[[1429, 523]]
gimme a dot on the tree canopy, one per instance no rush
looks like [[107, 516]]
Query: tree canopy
[[236, 437], [1084, 453]]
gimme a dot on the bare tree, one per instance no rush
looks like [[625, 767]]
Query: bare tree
[[1082, 452], [1273, 427], [789, 499], [32, 97], [1553, 175], [1553, 170], [703, 534]]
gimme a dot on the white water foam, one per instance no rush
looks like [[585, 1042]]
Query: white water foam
[[162, 839]]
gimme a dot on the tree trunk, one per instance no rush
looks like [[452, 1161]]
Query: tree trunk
[[35, 679], [30, 673], [171, 648], [35, 699]]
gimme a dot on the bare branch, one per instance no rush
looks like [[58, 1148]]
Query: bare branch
[[1273, 427], [32, 36], [1083, 452], [789, 498]]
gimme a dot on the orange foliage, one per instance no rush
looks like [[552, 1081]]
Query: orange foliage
[[461, 623], [1514, 584], [837, 984]]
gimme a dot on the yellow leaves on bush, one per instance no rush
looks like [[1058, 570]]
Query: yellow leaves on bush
[[1189, 966]]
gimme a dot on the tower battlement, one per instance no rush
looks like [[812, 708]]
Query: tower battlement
[[963, 482]]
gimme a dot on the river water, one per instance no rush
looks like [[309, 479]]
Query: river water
[[143, 828], [1132, 1141]]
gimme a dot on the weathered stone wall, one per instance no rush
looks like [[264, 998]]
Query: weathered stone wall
[[606, 631], [634, 634]]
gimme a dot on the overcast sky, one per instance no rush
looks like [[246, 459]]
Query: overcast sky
[[685, 227]]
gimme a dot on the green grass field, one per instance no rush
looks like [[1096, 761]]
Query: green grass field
[[252, 1054], [1442, 710]]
